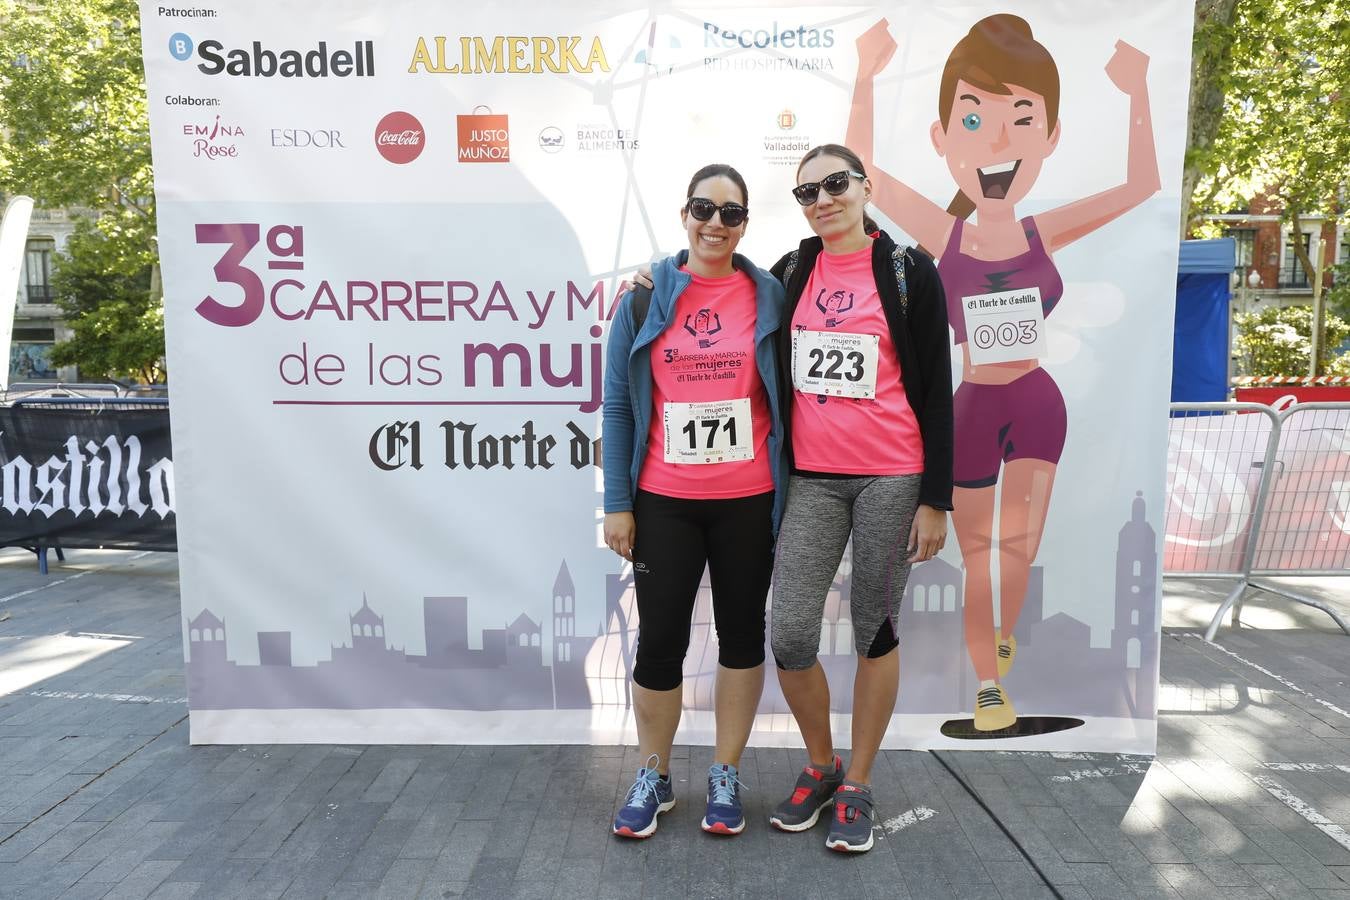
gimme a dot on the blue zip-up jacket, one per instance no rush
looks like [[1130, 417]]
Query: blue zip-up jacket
[[628, 378]]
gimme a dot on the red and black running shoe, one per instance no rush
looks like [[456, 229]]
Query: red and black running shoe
[[813, 792]]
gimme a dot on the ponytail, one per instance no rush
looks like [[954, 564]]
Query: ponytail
[[961, 206]]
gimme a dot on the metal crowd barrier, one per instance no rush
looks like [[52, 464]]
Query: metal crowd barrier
[[97, 404], [23, 390], [1253, 491]]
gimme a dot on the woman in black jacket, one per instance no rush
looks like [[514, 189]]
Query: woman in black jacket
[[867, 382]]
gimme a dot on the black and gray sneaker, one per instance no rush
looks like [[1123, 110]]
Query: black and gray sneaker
[[851, 824], [813, 792]]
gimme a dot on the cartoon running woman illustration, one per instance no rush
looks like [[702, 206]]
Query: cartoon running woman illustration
[[998, 121], [834, 306], [706, 324]]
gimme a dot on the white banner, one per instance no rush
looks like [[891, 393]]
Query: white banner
[[13, 239], [392, 240]]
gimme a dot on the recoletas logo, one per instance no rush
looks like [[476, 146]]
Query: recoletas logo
[[400, 137], [265, 62]]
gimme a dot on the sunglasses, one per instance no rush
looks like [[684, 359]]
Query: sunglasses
[[834, 185], [702, 209]]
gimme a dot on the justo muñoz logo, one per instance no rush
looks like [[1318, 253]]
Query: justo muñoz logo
[[484, 137], [400, 137]]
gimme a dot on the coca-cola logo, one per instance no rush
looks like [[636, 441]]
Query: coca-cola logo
[[400, 137]]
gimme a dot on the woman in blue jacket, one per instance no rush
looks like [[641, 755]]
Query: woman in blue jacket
[[695, 475]]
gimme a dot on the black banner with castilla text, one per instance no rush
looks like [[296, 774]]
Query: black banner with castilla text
[[83, 478]]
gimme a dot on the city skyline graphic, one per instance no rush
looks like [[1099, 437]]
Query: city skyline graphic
[[1058, 671]]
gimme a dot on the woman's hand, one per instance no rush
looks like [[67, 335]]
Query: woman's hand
[[621, 531], [927, 536], [643, 278], [1128, 69], [875, 49]]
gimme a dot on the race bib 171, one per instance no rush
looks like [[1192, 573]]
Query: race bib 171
[[714, 432]]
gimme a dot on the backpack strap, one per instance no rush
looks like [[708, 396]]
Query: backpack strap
[[642, 301], [898, 257], [793, 258]]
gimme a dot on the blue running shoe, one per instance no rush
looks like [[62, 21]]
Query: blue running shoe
[[851, 828], [724, 815], [649, 796]]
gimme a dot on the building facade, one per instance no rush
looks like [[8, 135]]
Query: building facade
[[38, 323], [1265, 246]]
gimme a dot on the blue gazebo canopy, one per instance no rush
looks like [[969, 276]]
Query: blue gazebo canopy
[[1200, 345]]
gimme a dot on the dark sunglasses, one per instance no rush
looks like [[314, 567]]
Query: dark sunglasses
[[834, 185], [702, 208]]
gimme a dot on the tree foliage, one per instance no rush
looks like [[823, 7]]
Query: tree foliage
[[74, 133], [118, 327], [1285, 128], [1211, 70], [1277, 340], [74, 122], [1338, 298]]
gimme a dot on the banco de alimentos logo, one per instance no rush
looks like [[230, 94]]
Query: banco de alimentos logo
[[259, 61]]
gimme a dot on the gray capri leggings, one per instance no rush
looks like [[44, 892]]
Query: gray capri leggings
[[821, 513]]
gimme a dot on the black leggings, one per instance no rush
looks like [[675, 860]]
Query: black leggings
[[676, 538]]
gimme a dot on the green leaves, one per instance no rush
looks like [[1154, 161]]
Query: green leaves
[[1278, 340], [73, 124], [1285, 128], [105, 294], [74, 133]]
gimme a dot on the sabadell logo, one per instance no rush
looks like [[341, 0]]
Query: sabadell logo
[[264, 62], [400, 137]]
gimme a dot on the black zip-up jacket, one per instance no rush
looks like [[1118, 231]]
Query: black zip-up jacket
[[919, 333]]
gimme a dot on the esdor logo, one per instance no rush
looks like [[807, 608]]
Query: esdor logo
[[400, 137], [308, 138]]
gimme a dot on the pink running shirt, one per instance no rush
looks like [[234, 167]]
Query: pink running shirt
[[841, 434], [707, 354]]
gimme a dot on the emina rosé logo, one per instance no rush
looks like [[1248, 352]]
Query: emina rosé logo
[[213, 140], [400, 137]]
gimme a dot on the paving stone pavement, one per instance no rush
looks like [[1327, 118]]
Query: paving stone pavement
[[101, 795]]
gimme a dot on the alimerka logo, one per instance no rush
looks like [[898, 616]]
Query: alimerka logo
[[507, 54], [262, 62]]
